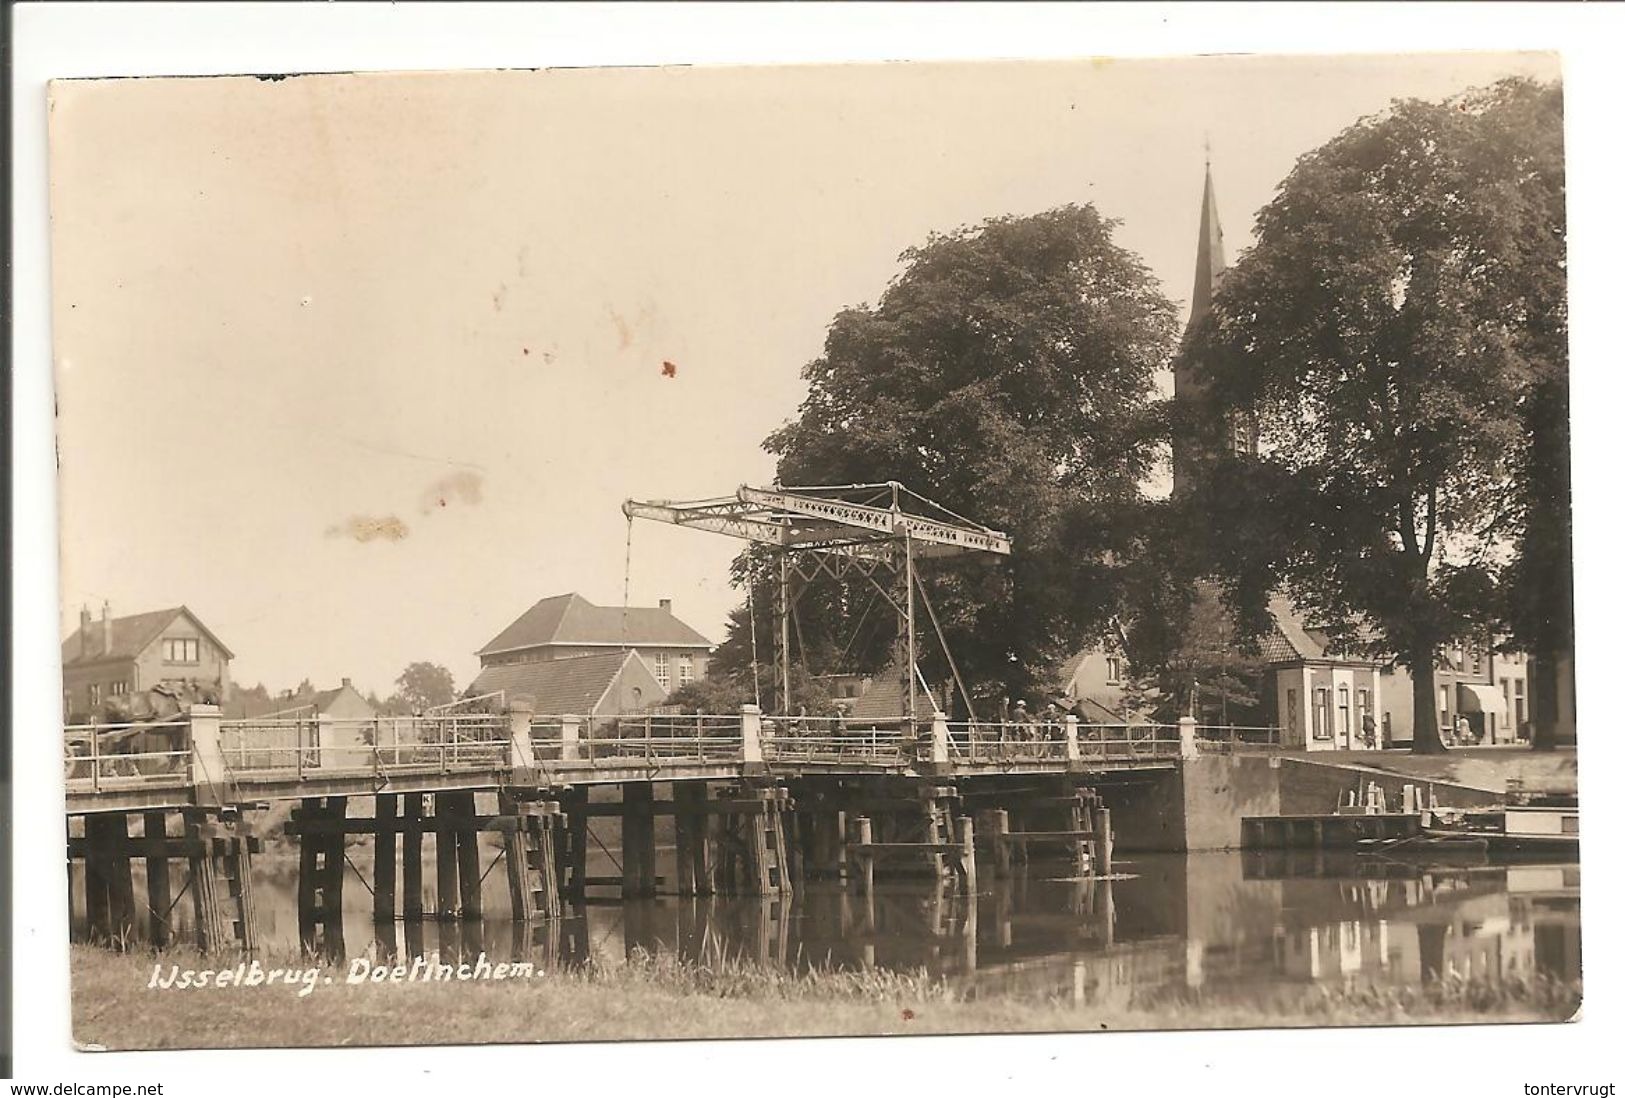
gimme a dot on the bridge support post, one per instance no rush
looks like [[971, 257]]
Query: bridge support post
[[695, 855], [383, 860], [412, 858], [637, 839], [967, 857], [154, 837], [1072, 753], [320, 826], [447, 899], [468, 855], [573, 842], [1103, 840], [529, 848]]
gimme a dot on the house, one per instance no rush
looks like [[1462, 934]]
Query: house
[[877, 696], [114, 656], [1318, 698], [1096, 675], [346, 723], [609, 683], [1493, 690], [568, 626]]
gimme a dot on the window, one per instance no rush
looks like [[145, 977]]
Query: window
[[685, 670], [1444, 708], [1292, 713], [1517, 686], [95, 694], [663, 670], [1478, 661], [1323, 713], [180, 650], [1114, 669], [1343, 711], [115, 689]]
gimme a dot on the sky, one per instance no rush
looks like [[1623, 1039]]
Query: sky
[[360, 367]]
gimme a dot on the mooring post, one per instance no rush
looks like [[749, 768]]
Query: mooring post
[[866, 856], [209, 776], [750, 734], [1072, 752], [383, 859], [1187, 737], [1103, 840], [569, 738]]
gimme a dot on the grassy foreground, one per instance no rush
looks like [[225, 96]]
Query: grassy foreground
[[657, 997]]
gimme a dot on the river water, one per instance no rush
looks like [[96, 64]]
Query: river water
[[1243, 924]]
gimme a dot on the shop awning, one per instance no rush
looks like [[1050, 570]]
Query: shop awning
[[1480, 697]]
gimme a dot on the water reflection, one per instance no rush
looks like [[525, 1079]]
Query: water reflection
[[1250, 923]]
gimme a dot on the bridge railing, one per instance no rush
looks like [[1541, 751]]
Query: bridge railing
[[836, 740], [1048, 741], [1231, 739], [100, 757], [292, 748], [652, 739]]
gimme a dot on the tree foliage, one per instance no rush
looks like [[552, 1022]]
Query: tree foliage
[[1386, 332], [1005, 374], [422, 685]]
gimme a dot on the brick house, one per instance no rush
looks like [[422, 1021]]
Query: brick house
[[567, 626], [1319, 699], [111, 656]]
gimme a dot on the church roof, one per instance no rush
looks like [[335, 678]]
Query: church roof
[[1209, 253]]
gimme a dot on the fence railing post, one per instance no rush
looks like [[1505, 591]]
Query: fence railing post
[[521, 752], [569, 738], [939, 739], [1072, 753], [1187, 737], [209, 778], [750, 733]]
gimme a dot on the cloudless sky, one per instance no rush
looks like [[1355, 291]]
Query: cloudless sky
[[360, 367]]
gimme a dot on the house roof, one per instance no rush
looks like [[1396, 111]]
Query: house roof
[[1291, 640], [572, 685], [131, 636], [571, 619], [887, 700]]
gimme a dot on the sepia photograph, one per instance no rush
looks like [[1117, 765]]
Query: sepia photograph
[[920, 547]]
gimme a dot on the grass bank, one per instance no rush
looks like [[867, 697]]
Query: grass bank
[[657, 997]]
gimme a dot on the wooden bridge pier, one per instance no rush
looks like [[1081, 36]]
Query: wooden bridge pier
[[217, 847], [1049, 813]]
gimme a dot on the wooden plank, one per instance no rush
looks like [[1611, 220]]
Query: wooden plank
[[156, 846], [447, 897], [468, 857], [308, 865], [412, 858]]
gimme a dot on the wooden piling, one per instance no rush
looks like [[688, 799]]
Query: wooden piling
[[412, 859], [575, 802], [866, 858], [967, 856], [1001, 842], [468, 856], [520, 897], [447, 900], [1103, 840], [637, 839], [98, 901], [158, 890], [206, 913], [309, 850], [121, 886], [383, 868]]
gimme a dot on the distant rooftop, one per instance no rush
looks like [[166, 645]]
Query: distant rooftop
[[572, 620]]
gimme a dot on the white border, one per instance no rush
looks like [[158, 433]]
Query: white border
[[129, 39]]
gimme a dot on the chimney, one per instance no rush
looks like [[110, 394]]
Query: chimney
[[107, 627], [665, 604], [84, 632]]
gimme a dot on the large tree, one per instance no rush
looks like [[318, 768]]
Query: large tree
[[1005, 374], [1379, 332], [421, 686]]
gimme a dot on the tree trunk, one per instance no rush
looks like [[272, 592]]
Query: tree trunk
[[1543, 687], [1548, 551], [1424, 702]]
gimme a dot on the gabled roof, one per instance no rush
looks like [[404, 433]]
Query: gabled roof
[[887, 700], [1291, 640], [131, 636], [573, 685], [571, 619]]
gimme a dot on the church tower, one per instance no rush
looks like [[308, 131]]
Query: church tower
[[1201, 429]]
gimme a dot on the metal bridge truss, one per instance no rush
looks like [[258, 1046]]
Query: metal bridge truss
[[840, 531]]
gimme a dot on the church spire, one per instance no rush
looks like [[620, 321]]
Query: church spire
[[1209, 248]]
